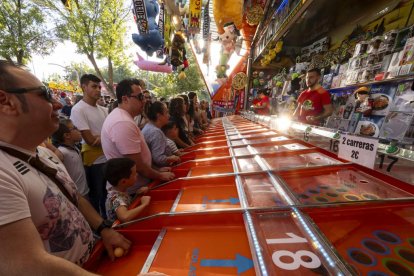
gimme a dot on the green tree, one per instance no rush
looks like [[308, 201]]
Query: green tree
[[110, 42], [23, 31], [120, 71], [97, 27], [55, 77], [76, 70]]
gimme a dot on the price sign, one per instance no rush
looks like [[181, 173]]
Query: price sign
[[358, 150]]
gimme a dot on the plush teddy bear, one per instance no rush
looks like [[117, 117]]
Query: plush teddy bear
[[228, 45], [151, 41], [228, 38]]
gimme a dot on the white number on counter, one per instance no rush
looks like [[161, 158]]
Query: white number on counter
[[297, 256], [293, 239], [297, 259]]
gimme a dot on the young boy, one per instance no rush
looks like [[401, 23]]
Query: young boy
[[171, 132], [66, 138], [121, 173]]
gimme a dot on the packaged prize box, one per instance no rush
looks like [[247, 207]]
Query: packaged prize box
[[409, 134], [327, 81], [369, 126], [336, 81], [382, 95], [404, 97], [394, 67], [395, 125], [353, 122], [333, 122], [344, 125]]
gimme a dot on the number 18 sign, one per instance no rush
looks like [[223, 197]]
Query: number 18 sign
[[359, 150]]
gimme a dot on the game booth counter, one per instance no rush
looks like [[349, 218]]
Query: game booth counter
[[250, 198], [281, 207]]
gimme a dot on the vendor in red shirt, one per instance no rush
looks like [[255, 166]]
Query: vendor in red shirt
[[314, 104], [262, 107]]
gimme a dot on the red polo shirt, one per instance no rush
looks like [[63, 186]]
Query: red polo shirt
[[312, 102], [266, 110]]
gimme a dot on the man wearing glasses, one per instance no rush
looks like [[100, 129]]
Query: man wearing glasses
[[88, 117], [37, 207], [121, 136]]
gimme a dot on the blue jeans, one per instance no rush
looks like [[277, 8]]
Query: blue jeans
[[97, 187]]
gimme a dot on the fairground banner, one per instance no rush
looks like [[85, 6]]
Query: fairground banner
[[160, 52], [195, 16], [140, 14]]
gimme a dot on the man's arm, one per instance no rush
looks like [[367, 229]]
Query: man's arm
[[22, 253], [90, 139], [110, 237], [146, 170], [327, 111]]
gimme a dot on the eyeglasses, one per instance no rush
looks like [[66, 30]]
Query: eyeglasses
[[73, 128], [45, 92], [139, 96]]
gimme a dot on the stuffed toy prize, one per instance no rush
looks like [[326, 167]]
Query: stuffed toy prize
[[177, 52], [228, 44], [151, 40], [228, 11]]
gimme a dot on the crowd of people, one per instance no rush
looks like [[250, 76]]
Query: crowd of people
[[68, 173]]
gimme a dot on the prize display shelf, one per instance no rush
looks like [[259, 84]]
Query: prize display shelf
[[249, 200], [392, 159]]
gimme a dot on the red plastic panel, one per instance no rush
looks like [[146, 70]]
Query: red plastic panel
[[250, 134], [260, 192], [300, 160], [258, 140], [208, 170], [204, 251], [286, 248], [205, 198], [377, 241], [242, 151], [248, 164], [339, 185]]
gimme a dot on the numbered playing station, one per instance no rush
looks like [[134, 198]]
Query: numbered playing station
[[268, 204]]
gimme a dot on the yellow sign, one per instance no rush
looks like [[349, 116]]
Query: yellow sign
[[195, 15]]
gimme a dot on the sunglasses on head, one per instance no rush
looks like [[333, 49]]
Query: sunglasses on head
[[45, 92]]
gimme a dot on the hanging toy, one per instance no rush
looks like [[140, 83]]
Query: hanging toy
[[228, 11], [206, 53], [182, 75], [228, 46], [254, 15], [177, 52], [149, 39], [152, 65], [255, 77]]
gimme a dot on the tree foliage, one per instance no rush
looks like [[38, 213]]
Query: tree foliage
[[97, 27], [23, 31], [120, 72]]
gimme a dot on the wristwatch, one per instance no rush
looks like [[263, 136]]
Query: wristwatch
[[103, 225]]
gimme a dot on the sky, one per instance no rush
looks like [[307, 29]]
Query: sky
[[65, 53]]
